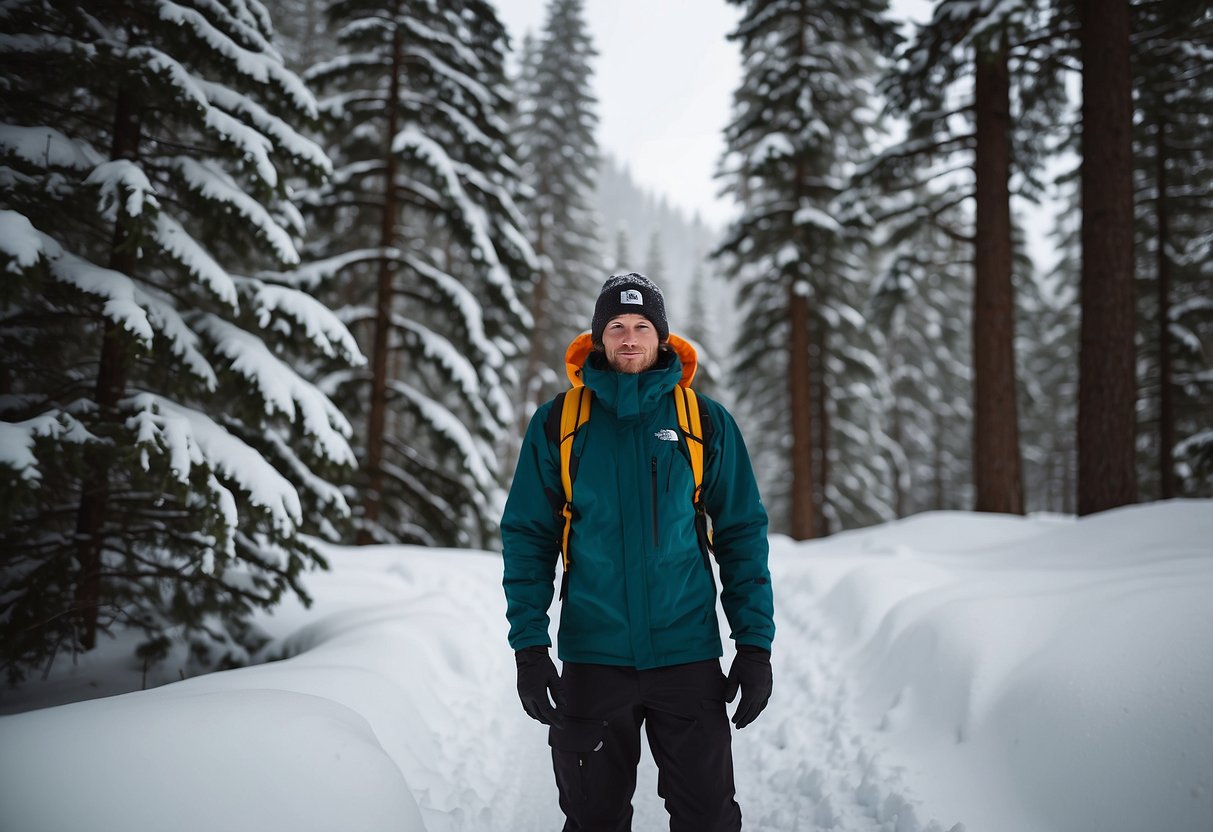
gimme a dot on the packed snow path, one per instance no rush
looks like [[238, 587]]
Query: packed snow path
[[802, 766], [948, 672]]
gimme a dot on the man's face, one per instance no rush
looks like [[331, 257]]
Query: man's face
[[630, 343]]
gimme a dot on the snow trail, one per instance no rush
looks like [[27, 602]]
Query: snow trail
[[486, 767], [805, 764]]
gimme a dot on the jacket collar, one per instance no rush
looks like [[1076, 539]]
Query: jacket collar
[[630, 394], [581, 347]]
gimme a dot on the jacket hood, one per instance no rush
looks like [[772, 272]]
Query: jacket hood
[[581, 347]]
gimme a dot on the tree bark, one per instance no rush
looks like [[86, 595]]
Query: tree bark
[[803, 506], [821, 409], [803, 511], [1166, 396], [540, 336], [112, 373], [997, 469], [1107, 386], [383, 309], [941, 475]]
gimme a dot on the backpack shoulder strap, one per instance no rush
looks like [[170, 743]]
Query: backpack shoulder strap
[[574, 412], [687, 405], [551, 426], [696, 427]]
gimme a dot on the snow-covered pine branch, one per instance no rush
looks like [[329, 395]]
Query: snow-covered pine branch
[[157, 419]]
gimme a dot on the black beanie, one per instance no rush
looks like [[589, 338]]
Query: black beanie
[[625, 294]]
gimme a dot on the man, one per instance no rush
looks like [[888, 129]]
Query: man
[[638, 637]]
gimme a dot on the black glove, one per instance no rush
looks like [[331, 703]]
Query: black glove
[[536, 676], [751, 672]]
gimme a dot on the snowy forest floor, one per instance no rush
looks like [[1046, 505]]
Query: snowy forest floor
[[947, 672]]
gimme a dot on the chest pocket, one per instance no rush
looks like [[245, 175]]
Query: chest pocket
[[674, 477], [671, 485]]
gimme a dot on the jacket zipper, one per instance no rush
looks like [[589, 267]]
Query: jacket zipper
[[653, 471]]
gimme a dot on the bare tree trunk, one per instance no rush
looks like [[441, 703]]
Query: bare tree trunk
[[1068, 497], [540, 335], [1107, 388], [383, 309], [821, 409], [803, 511], [937, 461], [804, 519], [112, 372], [897, 436], [1166, 396], [997, 470]]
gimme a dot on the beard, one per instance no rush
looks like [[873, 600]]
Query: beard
[[632, 365]]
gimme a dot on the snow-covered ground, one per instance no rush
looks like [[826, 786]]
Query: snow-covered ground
[[949, 671]]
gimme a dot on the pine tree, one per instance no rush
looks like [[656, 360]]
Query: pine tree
[[424, 250], [1047, 353], [1173, 152], [1170, 47], [655, 269], [623, 252], [923, 304], [559, 157], [162, 457], [654, 259], [303, 31], [697, 311], [798, 252], [980, 86], [696, 328]]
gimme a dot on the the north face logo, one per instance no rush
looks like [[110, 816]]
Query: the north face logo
[[666, 435], [631, 296]]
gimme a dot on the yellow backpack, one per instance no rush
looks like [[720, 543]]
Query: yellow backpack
[[575, 406]]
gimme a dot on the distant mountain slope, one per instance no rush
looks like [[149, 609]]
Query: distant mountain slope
[[685, 241]]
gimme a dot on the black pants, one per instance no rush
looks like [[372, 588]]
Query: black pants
[[595, 755]]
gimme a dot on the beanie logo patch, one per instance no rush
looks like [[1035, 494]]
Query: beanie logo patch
[[631, 296]]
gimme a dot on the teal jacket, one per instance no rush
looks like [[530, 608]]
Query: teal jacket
[[639, 592]]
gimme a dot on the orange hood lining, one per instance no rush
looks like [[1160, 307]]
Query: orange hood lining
[[581, 347]]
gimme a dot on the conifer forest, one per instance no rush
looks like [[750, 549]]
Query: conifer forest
[[286, 271]]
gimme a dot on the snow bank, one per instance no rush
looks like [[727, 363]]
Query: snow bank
[[396, 712], [174, 758], [949, 671], [1040, 673]]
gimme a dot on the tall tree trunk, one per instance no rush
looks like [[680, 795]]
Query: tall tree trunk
[[541, 338], [383, 308], [897, 437], [1166, 397], [997, 470], [820, 408], [1068, 496], [112, 372], [1107, 386], [804, 519], [803, 511], [937, 464]]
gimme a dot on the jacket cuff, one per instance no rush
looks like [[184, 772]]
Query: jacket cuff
[[540, 645], [751, 643]]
